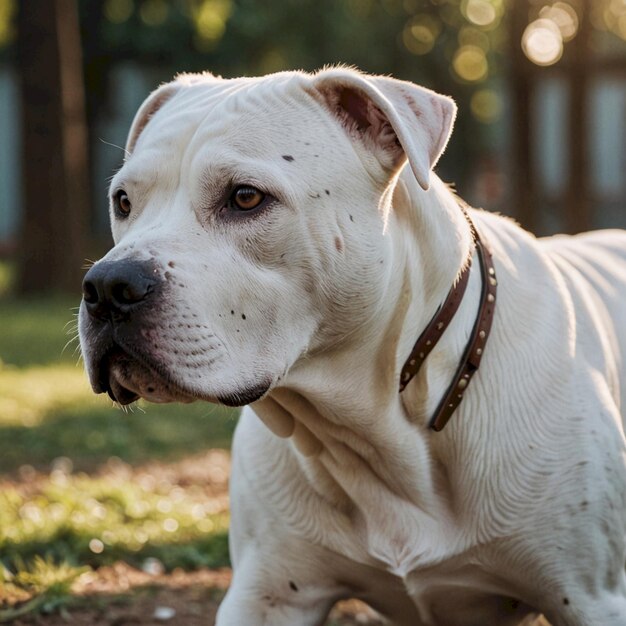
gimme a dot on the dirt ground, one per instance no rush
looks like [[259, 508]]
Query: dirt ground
[[121, 595]]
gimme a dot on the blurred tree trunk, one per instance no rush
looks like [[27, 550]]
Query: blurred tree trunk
[[54, 147], [522, 84]]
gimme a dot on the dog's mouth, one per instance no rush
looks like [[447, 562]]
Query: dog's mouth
[[126, 379]]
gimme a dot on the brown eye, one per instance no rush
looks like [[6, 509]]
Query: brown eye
[[246, 198], [122, 203]]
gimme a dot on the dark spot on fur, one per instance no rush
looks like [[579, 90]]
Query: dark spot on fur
[[243, 316], [327, 192], [338, 244], [351, 219], [232, 312], [293, 585], [288, 157], [171, 263], [566, 601], [584, 504]]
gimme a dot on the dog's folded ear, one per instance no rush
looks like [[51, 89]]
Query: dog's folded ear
[[397, 119], [149, 107]]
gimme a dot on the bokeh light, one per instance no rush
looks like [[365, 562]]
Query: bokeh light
[[420, 34], [470, 36], [486, 106], [211, 17], [7, 31], [470, 63], [564, 16], [609, 15], [96, 546], [118, 11], [153, 12], [542, 42], [479, 12]]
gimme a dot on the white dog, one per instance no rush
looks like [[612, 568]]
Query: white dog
[[274, 248]]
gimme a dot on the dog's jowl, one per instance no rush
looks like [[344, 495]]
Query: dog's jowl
[[449, 453]]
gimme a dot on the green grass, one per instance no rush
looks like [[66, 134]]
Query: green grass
[[82, 520], [62, 521], [47, 408], [34, 331], [48, 584]]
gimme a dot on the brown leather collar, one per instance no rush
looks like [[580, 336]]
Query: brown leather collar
[[472, 355]]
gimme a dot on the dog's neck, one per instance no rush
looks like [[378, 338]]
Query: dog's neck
[[344, 402]]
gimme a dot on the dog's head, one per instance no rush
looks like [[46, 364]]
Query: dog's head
[[248, 221]]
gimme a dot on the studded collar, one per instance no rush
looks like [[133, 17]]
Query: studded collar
[[472, 355]]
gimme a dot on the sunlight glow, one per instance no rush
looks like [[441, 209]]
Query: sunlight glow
[[479, 12], [564, 16], [542, 42]]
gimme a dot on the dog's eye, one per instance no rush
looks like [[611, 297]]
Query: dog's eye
[[246, 198], [122, 203]]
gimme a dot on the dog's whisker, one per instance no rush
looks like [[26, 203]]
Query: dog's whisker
[[68, 343], [114, 145], [73, 326]]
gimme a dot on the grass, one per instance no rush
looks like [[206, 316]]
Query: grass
[[74, 491], [47, 408]]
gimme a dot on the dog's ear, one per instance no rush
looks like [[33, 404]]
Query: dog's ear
[[399, 120], [149, 107]]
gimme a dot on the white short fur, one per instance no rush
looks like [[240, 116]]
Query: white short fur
[[338, 488]]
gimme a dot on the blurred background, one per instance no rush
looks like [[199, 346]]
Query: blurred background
[[541, 136], [541, 87]]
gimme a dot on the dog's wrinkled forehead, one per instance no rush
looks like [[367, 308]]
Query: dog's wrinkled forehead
[[254, 115], [386, 121]]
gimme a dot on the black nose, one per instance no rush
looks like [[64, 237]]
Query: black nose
[[112, 288]]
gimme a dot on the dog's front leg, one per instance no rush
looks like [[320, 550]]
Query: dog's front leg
[[279, 577], [582, 610], [263, 593]]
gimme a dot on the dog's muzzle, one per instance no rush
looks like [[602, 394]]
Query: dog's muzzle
[[118, 296]]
